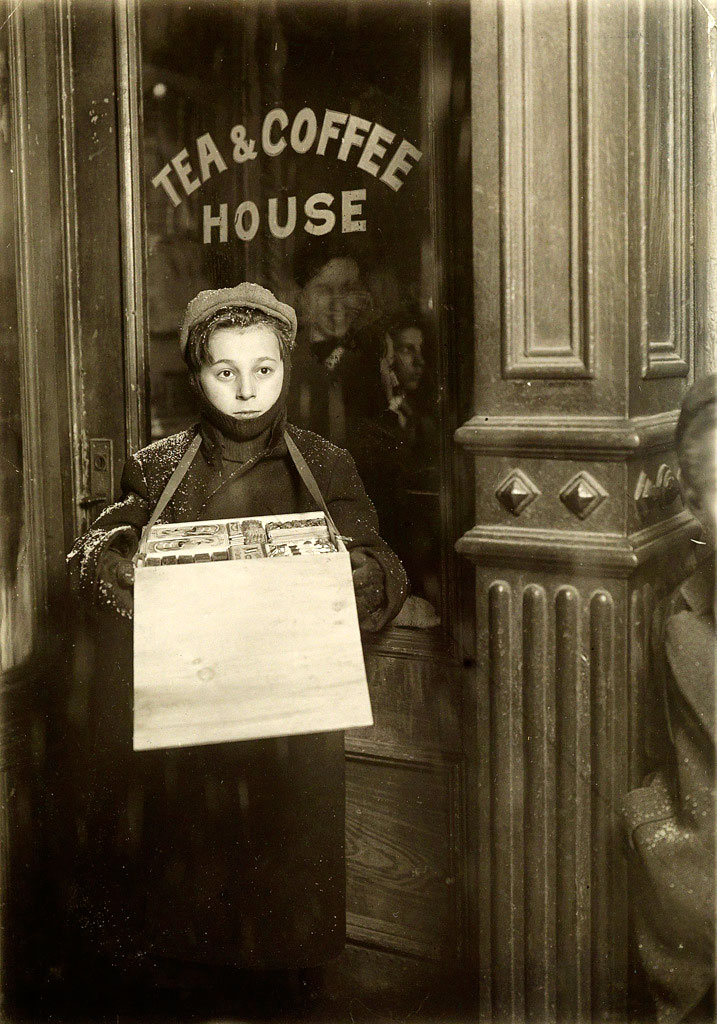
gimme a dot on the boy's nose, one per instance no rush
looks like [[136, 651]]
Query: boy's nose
[[245, 386]]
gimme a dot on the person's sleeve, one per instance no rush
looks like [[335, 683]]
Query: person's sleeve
[[357, 522], [658, 699], [113, 535], [692, 663]]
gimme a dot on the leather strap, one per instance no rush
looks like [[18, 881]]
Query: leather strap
[[309, 480], [171, 486]]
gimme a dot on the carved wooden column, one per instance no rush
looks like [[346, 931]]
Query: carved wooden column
[[583, 340]]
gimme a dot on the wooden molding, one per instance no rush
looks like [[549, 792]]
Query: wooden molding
[[405, 642], [581, 553], [664, 63], [610, 438], [132, 222], [583, 305], [73, 322], [643, 687]]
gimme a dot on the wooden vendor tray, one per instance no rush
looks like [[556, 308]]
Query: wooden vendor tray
[[246, 649]]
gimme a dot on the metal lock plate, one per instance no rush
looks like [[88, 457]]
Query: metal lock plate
[[101, 483]]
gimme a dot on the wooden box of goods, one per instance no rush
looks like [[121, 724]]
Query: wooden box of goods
[[245, 629]]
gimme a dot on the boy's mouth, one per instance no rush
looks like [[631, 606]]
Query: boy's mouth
[[245, 414]]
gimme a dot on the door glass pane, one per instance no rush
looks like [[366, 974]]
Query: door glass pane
[[15, 577], [293, 144]]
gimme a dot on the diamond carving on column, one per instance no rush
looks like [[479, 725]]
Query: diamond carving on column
[[516, 492], [582, 494]]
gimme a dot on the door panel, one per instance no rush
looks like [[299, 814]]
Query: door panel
[[199, 208], [402, 855], [404, 809]]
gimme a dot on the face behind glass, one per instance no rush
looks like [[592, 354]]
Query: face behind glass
[[245, 376], [701, 496], [408, 361], [333, 299]]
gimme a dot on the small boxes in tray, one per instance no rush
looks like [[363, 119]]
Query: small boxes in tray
[[245, 629], [302, 533]]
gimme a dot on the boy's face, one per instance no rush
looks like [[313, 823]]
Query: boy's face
[[701, 489], [408, 361], [245, 376]]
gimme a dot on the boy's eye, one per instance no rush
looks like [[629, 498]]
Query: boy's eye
[[265, 370]]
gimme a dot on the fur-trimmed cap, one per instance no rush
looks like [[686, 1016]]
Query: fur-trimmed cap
[[246, 294]]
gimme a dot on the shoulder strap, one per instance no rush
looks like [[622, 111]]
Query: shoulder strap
[[308, 478], [176, 478], [172, 484]]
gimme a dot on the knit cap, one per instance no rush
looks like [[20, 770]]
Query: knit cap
[[247, 294]]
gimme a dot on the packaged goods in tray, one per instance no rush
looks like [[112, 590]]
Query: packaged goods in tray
[[304, 546], [298, 528], [305, 533], [187, 542]]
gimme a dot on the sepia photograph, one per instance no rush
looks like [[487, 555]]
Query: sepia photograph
[[409, 309]]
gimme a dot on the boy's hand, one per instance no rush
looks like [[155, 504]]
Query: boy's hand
[[368, 581], [115, 580]]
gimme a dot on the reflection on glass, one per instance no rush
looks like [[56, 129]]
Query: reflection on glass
[[332, 304], [395, 441], [294, 150], [15, 580]]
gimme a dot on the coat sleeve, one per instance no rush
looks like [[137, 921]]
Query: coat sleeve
[[356, 520], [117, 528]]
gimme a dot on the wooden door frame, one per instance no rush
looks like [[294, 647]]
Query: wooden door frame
[[70, 317], [132, 222], [31, 689]]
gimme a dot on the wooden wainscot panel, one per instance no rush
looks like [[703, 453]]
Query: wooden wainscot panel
[[416, 706], [368, 984], [542, 211], [401, 848]]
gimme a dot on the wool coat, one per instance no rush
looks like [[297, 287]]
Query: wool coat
[[228, 853], [670, 820]]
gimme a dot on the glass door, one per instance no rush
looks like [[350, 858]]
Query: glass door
[[322, 150], [303, 147]]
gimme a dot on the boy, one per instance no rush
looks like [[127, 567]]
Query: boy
[[242, 855], [671, 821]]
